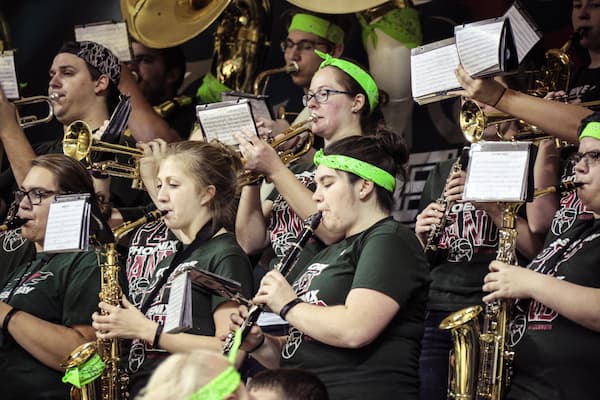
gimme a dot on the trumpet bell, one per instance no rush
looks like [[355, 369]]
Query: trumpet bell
[[160, 23], [473, 121], [77, 142]]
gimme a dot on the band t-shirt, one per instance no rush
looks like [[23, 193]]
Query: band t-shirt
[[15, 251], [386, 258], [220, 255], [61, 289], [285, 225], [585, 85], [466, 247], [556, 358]]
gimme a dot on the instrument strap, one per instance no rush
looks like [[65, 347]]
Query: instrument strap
[[203, 236]]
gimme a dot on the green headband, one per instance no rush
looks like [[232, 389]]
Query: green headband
[[357, 73], [592, 129], [226, 382], [363, 169], [317, 26]]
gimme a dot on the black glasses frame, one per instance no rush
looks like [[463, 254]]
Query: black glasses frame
[[322, 95], [34, 195]]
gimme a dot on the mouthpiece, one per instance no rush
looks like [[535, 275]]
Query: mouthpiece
[[563, 187], [54, 96]]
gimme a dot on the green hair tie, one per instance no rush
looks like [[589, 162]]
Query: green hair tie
[[317, 26], [357, 73], [226, 382], [592, 129], [361, 168]]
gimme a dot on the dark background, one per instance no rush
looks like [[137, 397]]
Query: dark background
[[38, 28]]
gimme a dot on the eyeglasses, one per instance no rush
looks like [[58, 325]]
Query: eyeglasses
[[322, 95], [589, 157], [302, 45], [35, 195]]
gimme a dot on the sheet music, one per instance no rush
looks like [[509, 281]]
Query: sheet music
[[260, 104], [221, 121], [112, 35], [525, 33], [432, 69], [65, 227], [478, 45], [497, 172], [8, 75]]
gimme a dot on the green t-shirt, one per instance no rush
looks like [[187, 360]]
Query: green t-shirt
[[61, 289], [15, 250], [387, 258], [220, 255]]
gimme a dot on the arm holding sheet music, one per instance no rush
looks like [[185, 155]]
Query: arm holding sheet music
[[557, 119]]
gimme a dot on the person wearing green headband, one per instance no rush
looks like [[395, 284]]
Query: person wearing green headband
[[558, 295], [356, 309]]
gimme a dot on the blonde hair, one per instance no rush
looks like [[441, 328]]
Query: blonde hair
[[182, 374]]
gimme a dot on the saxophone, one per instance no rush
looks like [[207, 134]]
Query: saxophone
[[287, 263], [113, 381], [433, 238], [480, 364]]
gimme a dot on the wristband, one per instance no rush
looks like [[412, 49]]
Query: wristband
[[155, 343], [258, 346], [499, 97], [7, 318], [286, 308]]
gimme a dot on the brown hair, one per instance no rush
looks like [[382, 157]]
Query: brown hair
[[217, 165]]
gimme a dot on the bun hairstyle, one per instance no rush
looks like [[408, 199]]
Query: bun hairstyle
[[384, 149], [213, 164]]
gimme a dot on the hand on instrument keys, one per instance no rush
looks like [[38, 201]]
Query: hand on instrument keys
[[125, 322], [254, 336], [270, 128], [258, 155], [506, 281], [430, 217]]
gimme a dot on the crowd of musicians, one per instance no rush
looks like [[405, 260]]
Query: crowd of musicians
[[358, 315]]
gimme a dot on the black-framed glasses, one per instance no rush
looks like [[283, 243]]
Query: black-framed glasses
[[589, 157], [322, 95], [35, 195], [302, 45]]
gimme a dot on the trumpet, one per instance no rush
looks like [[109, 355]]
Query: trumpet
[[286, 156], [79, 144], [31, 120]]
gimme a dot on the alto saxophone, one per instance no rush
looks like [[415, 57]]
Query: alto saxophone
[[433, 238], [480, 364], [287, 263], [113, 381]]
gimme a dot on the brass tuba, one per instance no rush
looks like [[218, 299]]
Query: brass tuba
[[79, 144], [113, 381], [287, 155]]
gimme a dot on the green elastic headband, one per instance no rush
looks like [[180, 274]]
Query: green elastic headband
[[317, 26], [226, 382], [357, 73], [592, 129], [363, 169]]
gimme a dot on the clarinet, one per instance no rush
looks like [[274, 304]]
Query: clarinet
[[435, 234], [285, 266], [13, 223]]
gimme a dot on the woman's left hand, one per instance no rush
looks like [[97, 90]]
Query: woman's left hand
[[274, 291], [125, 322], [258, 155], [508, 282]]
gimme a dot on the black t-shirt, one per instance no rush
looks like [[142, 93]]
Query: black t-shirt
[[386, 258], [585, 85], [15, 250], [555, 358]]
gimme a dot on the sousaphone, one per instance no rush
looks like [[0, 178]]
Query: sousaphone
[[337, 6], [167, 23]]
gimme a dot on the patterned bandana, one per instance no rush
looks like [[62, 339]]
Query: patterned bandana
[[98, 57]]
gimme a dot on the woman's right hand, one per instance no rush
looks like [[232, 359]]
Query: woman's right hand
[[255, 336]]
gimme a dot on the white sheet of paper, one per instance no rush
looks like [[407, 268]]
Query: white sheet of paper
[[221, 123], [178, 295], [478, 45], [64, 228], [8, 75], [524, 33], [112, 35], [432, 71], [496, 175]]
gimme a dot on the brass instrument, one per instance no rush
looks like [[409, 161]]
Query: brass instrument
[[79, 144], [288, 155], [167, 107], [480, 363], [113, 381], [31, 120], [285, 266], [264, 75]]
